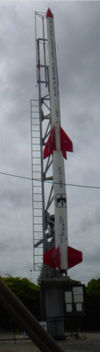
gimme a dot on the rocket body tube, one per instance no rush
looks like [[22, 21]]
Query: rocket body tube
[[62, 256], [60, 202], [53, 80]]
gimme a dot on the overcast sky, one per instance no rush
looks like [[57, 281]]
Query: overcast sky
[[77, 27]]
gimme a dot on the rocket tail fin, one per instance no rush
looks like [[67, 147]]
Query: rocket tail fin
[[50, 144], [65, 141], [74, 257], [52, 257]]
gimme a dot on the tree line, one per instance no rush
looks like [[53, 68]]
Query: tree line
[[29, 294]]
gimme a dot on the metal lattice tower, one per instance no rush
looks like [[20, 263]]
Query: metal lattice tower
[[42, 179]]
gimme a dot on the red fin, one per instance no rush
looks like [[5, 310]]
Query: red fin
[[52, 257], [64, 154], [74, 257], [66, 143], [50, 144]]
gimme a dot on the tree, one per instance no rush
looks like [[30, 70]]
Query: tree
[[93, 304], [27, 292]]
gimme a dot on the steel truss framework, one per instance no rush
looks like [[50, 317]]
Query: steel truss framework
[[42, 179]]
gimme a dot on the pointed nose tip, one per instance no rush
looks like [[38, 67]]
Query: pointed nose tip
[[49, 13]]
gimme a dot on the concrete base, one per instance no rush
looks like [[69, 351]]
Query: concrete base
[[52, 306]]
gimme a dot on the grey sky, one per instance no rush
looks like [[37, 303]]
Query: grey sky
[[77, 28]]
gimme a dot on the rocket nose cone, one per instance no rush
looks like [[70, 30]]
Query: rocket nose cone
[[49, 13]]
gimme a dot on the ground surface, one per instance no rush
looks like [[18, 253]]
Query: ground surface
[[85, 343]]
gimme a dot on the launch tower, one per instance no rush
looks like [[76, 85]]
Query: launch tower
[[59, 298]]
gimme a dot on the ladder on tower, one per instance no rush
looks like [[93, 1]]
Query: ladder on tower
[[37, 200]]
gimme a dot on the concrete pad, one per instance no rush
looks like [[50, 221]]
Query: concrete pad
[[87, 342]]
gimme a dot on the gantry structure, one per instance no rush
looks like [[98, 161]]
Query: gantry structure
[[42, 175]]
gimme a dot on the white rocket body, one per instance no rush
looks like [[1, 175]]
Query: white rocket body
[[57, 145], [60, 203]]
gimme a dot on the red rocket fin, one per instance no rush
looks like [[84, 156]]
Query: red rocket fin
[[52, 257], [66, 143], [64, 154], [74, 257], [50, 144]]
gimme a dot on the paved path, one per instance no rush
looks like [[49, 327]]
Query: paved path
[[86, 343]]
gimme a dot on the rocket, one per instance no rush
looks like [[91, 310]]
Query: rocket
[[58, 144]]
